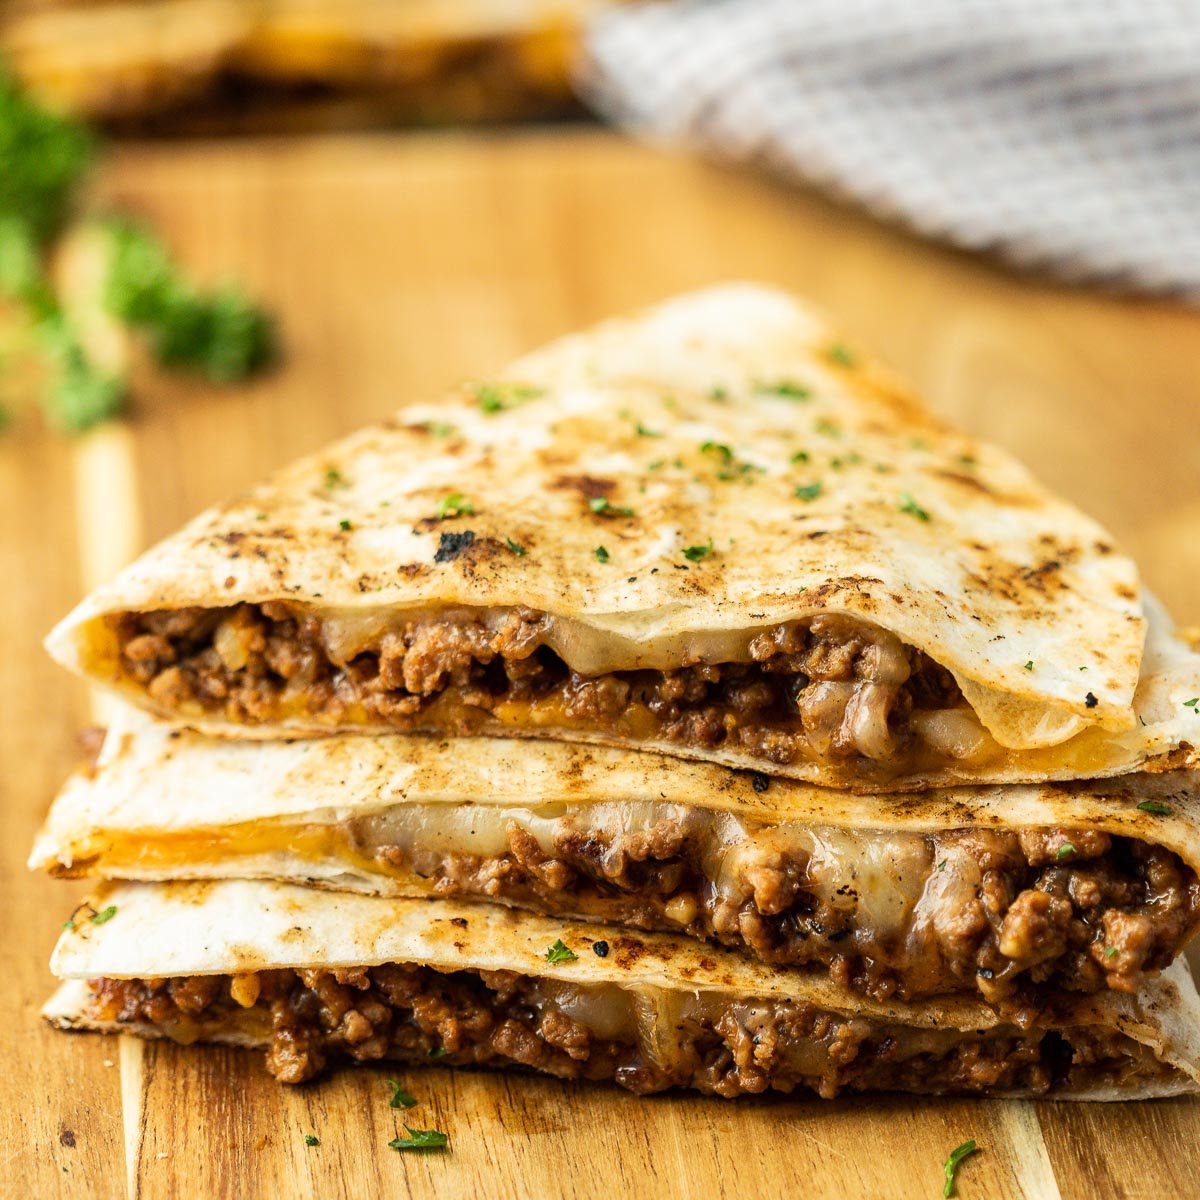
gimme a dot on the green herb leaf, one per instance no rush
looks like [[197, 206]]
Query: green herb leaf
[[69, 923], [334, 479], [45, 158], [104, 915], [311, 1139], [719, 449], [515, 547], [789, 389], [642, 431], [345, 525], [827, 427], [808, 491], [718, 393], [845, 357], [495, 397], [1029, 665], [454, 505], [79, 396], [219, 333], [400, 1097], [1192, 702], [801, 456], [696, 553], [910, 506], [437, 1052], [1065, 851], [420, 1139], [1110, 952], [601, 554], [560, 953], [601, 506], [952, 1164], [1156, 807]]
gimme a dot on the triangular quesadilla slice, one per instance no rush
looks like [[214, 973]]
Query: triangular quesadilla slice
[[319, 978], [711, 530], [1013, 893]]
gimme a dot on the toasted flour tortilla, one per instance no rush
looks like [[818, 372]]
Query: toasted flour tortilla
[[785, 871], [659, 493], [651, 990]]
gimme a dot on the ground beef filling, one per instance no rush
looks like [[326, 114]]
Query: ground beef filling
[[1012, 916], [827, 688], [710, 1042]]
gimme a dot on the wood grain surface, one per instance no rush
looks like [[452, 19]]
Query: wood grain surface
[[399, 266]]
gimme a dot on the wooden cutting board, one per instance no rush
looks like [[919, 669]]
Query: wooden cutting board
[[399, 265]]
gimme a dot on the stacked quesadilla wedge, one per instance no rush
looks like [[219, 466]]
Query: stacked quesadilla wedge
[[685, 707]]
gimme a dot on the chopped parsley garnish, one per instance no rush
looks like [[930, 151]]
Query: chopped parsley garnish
[[952, 1164], [600, 949], [1156, 807], [106, 914], [515, 547], [723, 452], [400, 1097], [334, 479], [69, 923], [601, 554], [801, 456], [344, 525], [1192, 702], [827, 427], [604, 508], [942, 865], [1029, 665], [1065, 851], [437, 1052], [789, 389], [643, 431], [808, 491], [439, 429], [454, 505], [910, 506], [718, 393], [1090, 701], [420, 1139], [841, 354], [696, 553], [496, 397], [560, 953], [311, 1139], [1110, 952]]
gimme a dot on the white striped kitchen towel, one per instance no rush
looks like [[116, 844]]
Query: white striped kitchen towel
[[1061, 134]]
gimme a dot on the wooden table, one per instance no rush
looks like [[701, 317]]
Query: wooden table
[[398, 266]]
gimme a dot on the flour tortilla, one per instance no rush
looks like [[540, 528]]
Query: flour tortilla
[[161, 930], [168, 803], [701, 418]]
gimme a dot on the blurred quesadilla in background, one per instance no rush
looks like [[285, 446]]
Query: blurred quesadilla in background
[[211, 66]]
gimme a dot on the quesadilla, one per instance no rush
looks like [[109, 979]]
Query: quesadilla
[[710, 531], [319, 977], [1012, 892]]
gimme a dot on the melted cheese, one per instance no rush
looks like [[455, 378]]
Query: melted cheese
[[875, 876]]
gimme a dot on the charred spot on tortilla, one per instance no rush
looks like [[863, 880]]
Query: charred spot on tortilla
[[451, 545]]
